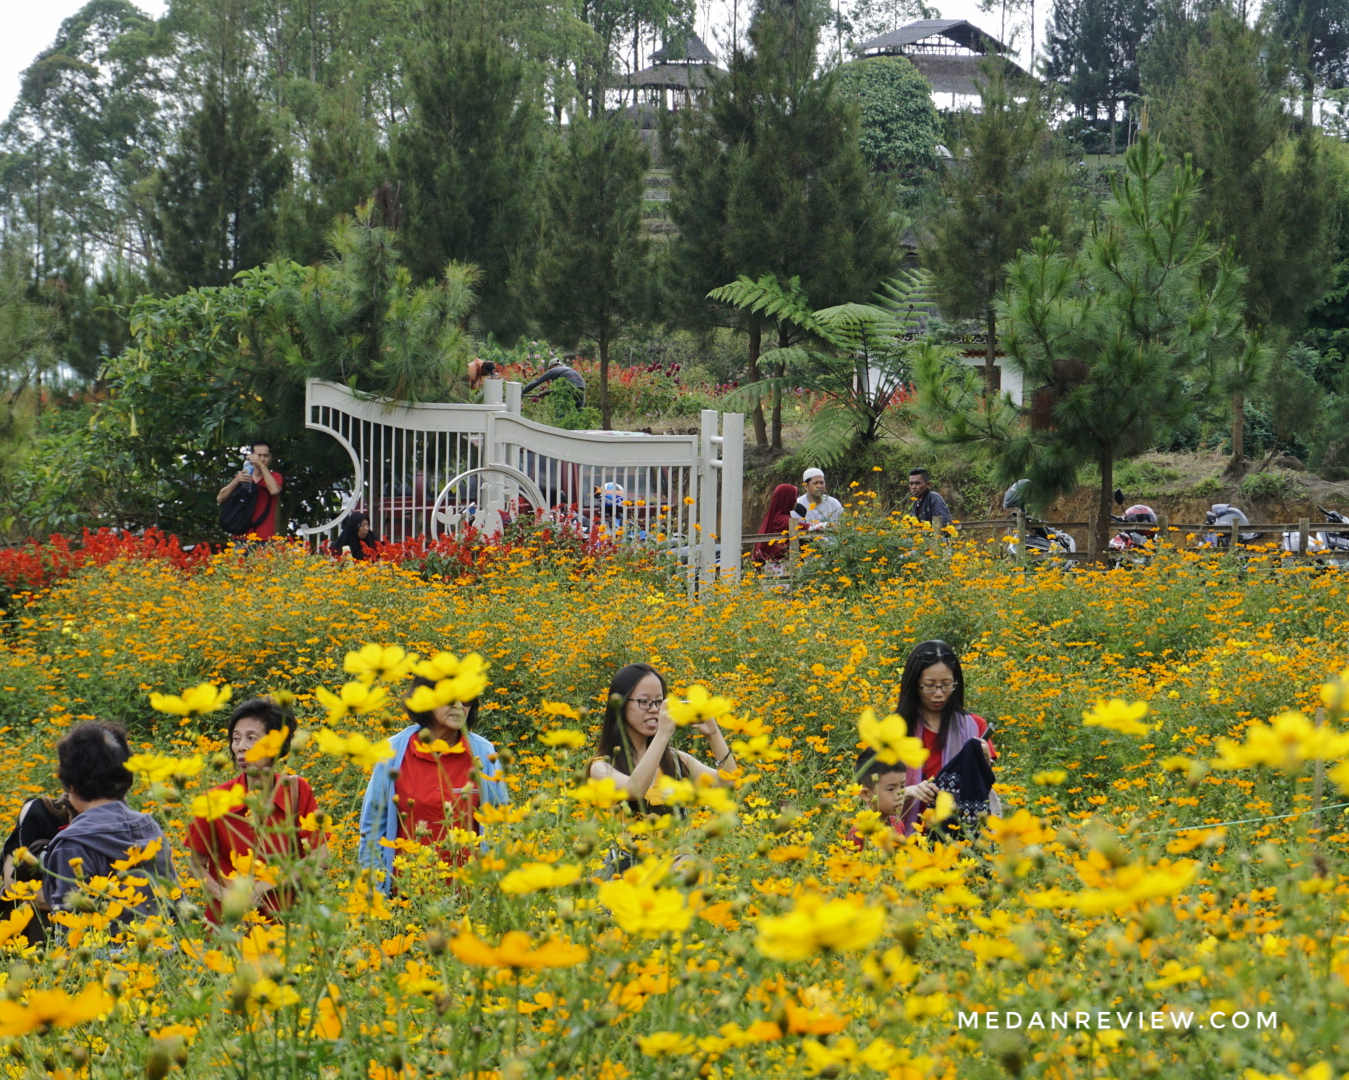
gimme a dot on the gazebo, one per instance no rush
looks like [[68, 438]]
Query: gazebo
[[946, 52], [679, 69]]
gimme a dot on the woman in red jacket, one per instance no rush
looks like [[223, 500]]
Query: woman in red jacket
[[777, 519]]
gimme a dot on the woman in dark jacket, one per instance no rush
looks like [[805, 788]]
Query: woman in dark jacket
[[357, 536]]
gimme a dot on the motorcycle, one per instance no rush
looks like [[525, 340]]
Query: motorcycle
[[1329, 548], [1043, 541], [1133, 545], [1223, 516]]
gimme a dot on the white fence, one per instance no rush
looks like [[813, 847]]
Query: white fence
[[421, 470]]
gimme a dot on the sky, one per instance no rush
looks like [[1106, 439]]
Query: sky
[[31, 27]]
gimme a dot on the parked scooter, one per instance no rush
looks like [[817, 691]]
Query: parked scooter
[[1042, 539], [1330, 548], [1133, 545], [1222, 516]]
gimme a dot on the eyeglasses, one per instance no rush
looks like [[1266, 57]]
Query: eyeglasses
[[937, 687], [646, 704]]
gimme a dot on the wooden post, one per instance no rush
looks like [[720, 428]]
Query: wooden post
[[1022, 553], [1303, 535], [1092, 553], [1161, 530], [793, 549], [1236, 539]]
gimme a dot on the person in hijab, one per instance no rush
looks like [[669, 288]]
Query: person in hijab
[[772, 554], [357, 536]]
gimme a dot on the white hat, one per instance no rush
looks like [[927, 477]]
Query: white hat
[[811, 474]]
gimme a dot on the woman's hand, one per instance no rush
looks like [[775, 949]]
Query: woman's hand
[[925, 792], [988, 751], [707, 728], [665, 725]]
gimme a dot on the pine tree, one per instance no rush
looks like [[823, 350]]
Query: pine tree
[[1317, 33], [768, 178], [216, 210], [1093, 53], [1121, 343], [470, 159], [593, 272], [1002, 185]]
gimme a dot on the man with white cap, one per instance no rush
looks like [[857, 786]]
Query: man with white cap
[[815, 508]]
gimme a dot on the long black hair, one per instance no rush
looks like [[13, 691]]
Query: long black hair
[[615, 743], [925, 655]]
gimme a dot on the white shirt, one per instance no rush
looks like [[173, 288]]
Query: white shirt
[[826, 512]]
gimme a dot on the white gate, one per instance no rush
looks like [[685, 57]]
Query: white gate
[[421, 470]]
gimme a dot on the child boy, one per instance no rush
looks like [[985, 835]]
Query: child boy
[[884, 790]]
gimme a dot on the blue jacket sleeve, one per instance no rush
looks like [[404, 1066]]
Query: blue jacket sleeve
[[374, 817]]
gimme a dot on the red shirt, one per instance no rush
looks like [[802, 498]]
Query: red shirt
[[434, 793], [262, 498], [932, 766], [282, 836]]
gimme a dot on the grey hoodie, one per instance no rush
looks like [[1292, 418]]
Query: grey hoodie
[[99, 836]]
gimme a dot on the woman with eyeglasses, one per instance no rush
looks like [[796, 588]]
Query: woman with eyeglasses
[[634, 746], [932, 703]]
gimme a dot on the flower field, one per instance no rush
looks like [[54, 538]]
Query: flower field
[[1173, 841]]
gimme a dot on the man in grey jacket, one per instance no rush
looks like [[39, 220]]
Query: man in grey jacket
[[92, 768]]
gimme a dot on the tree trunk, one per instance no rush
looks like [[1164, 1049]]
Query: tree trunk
[[1308, 99], [755, 347], [604, 381], [991, 354], [1113, 110], [779, 370], [1106, 506], [1238, 431]]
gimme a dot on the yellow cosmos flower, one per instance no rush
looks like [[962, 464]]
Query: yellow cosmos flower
[[1173, 973], [196, 701], [644, 910], [160, 768], [136, 856], [600, 794], [517, 951], [891, 740], [468, 675], [1117, 715], [354, 697], [269, 746], [563, 737], [12, 925], [270, 995], [1286, 743], [665, 1044], [44, 1009], [380, 663], [356, 747], [697, 706], [845, 1054], [559, 708], [218, 802], [1050, 777], [817, 925], [535, 877], [753, 751]]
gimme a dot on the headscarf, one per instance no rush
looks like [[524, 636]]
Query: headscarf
[[349, 537], [777, 519]]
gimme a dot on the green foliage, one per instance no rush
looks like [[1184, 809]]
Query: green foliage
[[215, 213], [1002, 186], [593, 273], [470, 156], [1330, 455], [1262, 486], [856, 356], [1092, 51], [1149, 315], [900, 129]]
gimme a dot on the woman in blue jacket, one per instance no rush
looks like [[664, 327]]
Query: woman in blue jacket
[[440, 773]]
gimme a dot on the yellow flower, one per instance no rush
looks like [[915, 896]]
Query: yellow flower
[[817, 925], [193, 702], [354, 697], [136, 855], [455, 680], [1285, 743], [53, 1008], [1050, 777], [644, 910], [600, 794], [1118, 716], [559, 708], [891, 740], [160, 768], [355, 747], [759, 748], [1172, 973], [665, 1044], [267, 747], [517, 951], [218, 802], [563, 737], [379, 663], [13, 924], [535, 877], [271, 995], [845, 1054], [697, 706]]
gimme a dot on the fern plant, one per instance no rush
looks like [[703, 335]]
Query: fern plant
[[858, 357]]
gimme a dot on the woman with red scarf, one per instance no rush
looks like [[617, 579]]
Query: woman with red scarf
[[772, 555]]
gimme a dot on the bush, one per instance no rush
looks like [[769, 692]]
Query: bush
[[1265, 486]]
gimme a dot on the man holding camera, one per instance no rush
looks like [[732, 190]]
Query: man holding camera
[[266, 486]]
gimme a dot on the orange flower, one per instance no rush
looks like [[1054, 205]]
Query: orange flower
[[517, 951]]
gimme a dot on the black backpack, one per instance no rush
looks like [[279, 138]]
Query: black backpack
[[236, 512]]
